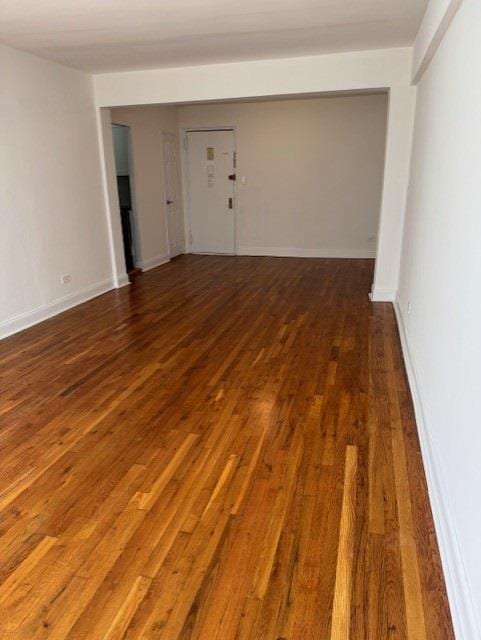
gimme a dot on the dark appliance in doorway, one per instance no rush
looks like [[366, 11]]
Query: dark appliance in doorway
[[125, 201]]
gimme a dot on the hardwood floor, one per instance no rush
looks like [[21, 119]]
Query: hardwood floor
[[224, 450]]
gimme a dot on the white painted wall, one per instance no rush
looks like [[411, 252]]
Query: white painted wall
[[441, 279], [51, 200], [313, 171], [111, 197], [402, 102], [146, 124]]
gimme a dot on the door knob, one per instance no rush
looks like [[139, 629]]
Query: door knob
[[170, 201]]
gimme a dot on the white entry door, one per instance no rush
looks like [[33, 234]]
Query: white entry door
[[211, 168], [175, 218]]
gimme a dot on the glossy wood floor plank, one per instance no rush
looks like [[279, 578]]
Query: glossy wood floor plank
[[225, 450], [341, 610]]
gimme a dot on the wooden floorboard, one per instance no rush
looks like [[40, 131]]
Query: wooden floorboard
[[224, 450]]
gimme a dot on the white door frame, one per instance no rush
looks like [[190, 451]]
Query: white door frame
[[134, 218], [164, 194], [186, 186]]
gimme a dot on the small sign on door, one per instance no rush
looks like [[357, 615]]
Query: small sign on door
[[210, 175], [210, 153]]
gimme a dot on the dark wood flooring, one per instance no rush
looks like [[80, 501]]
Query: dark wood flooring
[[224, 450]]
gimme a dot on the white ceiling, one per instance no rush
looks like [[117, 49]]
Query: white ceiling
[[114, 35]]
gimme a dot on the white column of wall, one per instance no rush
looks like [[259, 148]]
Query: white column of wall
[[112, 206], [399, 133]]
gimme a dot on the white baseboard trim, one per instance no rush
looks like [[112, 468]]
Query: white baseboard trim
[[382, 295], [29, 318], [123, 281], [151, 263], [293, 252], [466, 625]]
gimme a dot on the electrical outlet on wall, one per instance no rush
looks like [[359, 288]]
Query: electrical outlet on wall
[[66, 278]]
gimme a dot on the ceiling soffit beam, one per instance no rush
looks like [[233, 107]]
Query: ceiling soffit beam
[[349, 71], [437, 19]]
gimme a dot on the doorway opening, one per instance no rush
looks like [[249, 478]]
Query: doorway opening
[[124, 174], [287, 177]]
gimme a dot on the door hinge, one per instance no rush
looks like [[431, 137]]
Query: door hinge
[[235, 159], [231, 203], [186, 142]]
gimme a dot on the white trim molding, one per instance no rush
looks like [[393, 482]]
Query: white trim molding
[[45, 311], [382, 295], [293, 252], [151, 263], [463, 612], [122, 281]]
